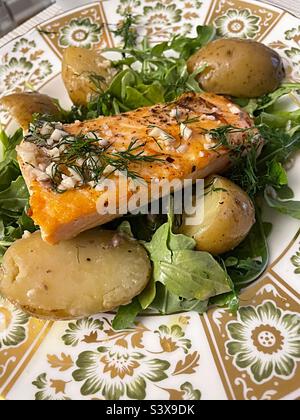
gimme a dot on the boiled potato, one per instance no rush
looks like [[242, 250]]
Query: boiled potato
[[238, 67], [96, 272], [229, 215], [85, 73], [22, 106]]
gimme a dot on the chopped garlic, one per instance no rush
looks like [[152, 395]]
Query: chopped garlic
[[160, 134], [109, 170], [46, 130], [209, 146], [67, 183], [39, 175], [103, 142], [91, 136], [75, 175], [182, 149], [107, 131], [53, 153], [62, 148], [57, 135], [185, 131], [210, 118], [234, 109], [49, 169], [80, 161], [208, 137], [175, 113]]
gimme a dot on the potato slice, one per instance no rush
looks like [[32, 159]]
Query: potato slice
[[229, 215], [85, 73], [22, 106], [95, 272]]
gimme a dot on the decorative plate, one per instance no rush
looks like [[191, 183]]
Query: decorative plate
[[254, 356]]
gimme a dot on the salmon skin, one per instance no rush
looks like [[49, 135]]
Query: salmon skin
[[174, 132]]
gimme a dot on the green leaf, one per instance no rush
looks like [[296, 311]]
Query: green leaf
[[268, 100], [288, 207], [277, 174], [184, 272], [9, 171], [186, 47], [249, 260], [167, 303], [15, 197], [126, 315], [230, 301]]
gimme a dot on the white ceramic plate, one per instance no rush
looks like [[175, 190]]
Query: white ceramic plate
[[255, 355]]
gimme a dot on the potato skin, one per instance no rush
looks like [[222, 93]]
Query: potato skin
[[229, 215], [238, 67], [22, 106], [95, 272], [79, 65]]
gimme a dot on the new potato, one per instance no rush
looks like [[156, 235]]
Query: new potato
[[95, 272], [85, 73], [238, 67], [229, 215], [22, 106]]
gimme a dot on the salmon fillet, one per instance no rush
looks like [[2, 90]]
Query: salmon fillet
[[190, 155]]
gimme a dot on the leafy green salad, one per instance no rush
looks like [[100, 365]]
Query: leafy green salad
[[183, 277]]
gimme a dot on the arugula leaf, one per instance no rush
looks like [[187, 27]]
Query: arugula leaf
[[277, 175], [126, 315], [168, 303], [184, 272], [249, 261], [188, 46], [15, 197], [13, 194], [290, 208], [268, 100]]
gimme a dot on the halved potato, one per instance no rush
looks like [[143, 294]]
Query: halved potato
[[95, 272], [85, 73], [229, 215], [22, 106]]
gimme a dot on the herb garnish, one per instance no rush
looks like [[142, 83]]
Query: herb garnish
[[92, 162]]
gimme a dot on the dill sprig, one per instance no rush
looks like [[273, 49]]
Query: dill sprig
[[84, 155]]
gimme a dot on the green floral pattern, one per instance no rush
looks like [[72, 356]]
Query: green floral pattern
[[238, 24], [189, 393], [294, 55], [172, 338], [27, 67], [13, 324], [161, 19], [80, 330], [82, 33], [116, 372], [49, 390], [296, 262], [265, 342]]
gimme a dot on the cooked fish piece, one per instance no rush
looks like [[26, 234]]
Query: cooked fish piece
[[176, 133]]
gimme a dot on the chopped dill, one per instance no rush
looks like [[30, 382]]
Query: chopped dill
[[92, 162]]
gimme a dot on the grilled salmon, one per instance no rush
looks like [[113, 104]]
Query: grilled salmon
[[175, 135]]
